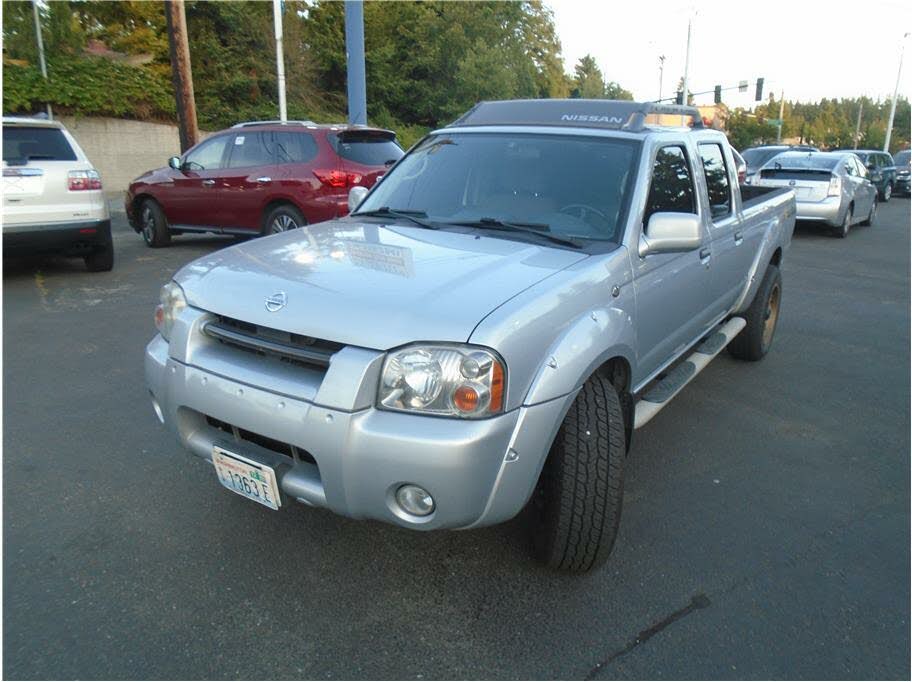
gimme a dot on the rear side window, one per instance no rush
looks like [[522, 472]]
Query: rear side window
[[368, 149], [207, 156], [294, 147], [21, 143], [716, 174], [251, 149], [671, 189]]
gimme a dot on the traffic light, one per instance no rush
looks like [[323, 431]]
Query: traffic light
[[679, 97], [717, 97], [759, 95]]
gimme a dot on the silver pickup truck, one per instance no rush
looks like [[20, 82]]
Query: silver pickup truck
[[485, 330]]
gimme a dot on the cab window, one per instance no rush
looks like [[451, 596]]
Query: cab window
[[671, 189], [717, 184]]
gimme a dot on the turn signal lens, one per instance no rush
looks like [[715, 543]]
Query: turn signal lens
[[465, 398], [835, 188]]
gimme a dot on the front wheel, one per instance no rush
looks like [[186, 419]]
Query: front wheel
[[756, 338], [577, 502], [154, 225], [887, 192], [872, 215]]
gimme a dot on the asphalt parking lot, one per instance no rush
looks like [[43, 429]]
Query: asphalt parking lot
[[765, 533]]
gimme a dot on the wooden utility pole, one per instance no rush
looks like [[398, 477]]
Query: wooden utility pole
[[181, 75]]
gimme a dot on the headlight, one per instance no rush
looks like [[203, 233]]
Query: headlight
[[453, 381], [172, 303]]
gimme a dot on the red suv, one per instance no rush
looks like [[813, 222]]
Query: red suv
[[259, 178]]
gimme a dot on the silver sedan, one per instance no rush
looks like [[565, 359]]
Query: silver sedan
[[830, 187]]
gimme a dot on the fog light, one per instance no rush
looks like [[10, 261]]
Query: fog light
[[414, 500]]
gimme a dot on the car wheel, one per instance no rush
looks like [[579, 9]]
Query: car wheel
[[887, 193], [843, 230], [756, 338], [872, 215], [154, 225], [102, 259], [577, 503], [283, 218]]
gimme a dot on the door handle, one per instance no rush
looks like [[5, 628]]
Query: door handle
[[208, 183], [738, 238], [705, 254], [264, 179]]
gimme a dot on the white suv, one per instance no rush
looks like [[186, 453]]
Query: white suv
[[52, 198]]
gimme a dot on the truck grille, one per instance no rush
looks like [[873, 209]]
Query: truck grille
[[291, 348], [242, 435]]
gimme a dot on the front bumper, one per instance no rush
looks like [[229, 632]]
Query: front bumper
[[75, 238], [829, 210], [479, 472], [901, 185]]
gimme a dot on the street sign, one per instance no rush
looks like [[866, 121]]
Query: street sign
[[742, 86], [774, 121]]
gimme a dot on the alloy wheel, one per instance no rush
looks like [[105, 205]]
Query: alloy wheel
[[282, 223]]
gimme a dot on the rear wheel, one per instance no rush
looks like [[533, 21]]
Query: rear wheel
[[843, 230], [154, 225], [872, 215], [756, 338], [102, 259], [283, 218], [577, 502]]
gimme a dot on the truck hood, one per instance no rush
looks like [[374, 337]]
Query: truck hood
[[368, 284]]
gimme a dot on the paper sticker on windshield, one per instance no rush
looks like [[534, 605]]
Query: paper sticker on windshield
[[239, 139]]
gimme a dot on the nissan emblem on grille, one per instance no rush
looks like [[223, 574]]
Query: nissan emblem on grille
[[276, 302]]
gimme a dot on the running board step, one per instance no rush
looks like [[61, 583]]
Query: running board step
[[661, 393]]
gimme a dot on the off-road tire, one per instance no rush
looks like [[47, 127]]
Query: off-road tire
[[756, 338], [577, 503], [153, 224], [281, 219], [102, 259]]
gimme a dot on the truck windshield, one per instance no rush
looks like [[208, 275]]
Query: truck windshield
[[567, 185]]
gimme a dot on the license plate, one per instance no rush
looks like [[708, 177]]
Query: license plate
[[245, 477]]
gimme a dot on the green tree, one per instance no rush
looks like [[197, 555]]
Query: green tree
[[588, 82]]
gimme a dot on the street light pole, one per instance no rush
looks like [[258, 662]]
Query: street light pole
[[44, 71], [781, 114], [280, 58], [354, 62], [661, 74], [895, 93], [858, 124]]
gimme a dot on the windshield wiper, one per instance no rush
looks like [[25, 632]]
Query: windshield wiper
[[401, 213], [537, 229]]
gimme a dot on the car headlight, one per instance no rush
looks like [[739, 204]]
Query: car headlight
[[172, 303], [445, 380]]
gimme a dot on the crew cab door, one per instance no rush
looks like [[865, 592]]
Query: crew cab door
[[190, 200], [672, 289], [732, 242]]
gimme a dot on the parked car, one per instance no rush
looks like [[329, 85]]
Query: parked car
[[757, 157], [901, 161], [260, 177], [830, 187], [740, 165], [524, 289], [52, 195], [882, 170]]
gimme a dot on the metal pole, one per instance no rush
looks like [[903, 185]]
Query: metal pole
[[686, 100], [280, 58], [858, 124], [661, 74], [181, 74], [781, 114], [44, 71], [354, 53], [895, 92]]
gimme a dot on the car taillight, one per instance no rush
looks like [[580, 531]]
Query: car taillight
[[835, 188], [83, 179], [337, 178]]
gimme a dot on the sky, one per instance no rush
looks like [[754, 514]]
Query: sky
[[809, 49]]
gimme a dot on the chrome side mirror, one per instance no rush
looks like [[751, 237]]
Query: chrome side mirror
[[174, 162], [670, 233], [355, 197]]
